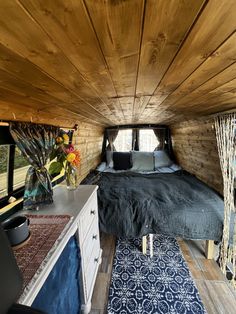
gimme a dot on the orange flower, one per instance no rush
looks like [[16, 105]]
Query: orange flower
[[59, 140], [76, 161]]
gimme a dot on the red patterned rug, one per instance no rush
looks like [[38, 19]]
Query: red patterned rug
[[44, 232]]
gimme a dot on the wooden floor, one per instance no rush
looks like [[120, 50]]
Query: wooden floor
[[217, 296]]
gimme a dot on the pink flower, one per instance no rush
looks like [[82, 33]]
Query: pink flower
[[70, 149]]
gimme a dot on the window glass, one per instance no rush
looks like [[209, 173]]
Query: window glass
[[21, 166], [4, 157], [123, 141], [147, 140]]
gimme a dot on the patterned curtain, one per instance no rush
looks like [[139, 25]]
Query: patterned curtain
[[225, 134], [161, 137], [111, 136], [36, 143]]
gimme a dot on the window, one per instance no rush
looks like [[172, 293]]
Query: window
[[13, 169], [21, 167], [147, 140], [123, 141], [4, 160]]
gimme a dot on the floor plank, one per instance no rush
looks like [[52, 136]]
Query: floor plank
[[217, 296]]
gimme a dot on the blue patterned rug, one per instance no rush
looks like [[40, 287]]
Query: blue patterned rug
[[144, 285]]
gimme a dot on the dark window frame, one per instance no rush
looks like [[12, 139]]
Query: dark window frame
[[17, 193], [6, 139]]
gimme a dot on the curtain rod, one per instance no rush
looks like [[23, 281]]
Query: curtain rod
[[4, 123], [75, 127], [137, 126]]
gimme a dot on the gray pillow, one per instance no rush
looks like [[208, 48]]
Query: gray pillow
[[161, 159], [142, 161]]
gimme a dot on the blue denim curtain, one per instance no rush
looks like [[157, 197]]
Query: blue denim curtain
[[35, 142], [60, 293]]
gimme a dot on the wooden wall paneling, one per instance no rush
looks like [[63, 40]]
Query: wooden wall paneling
[[37, 47], [162, 37], [20, 112], [67, 23], [140, 103], [127, 107], [21, 99], [11, 83], [29, 101], [114, 106], [115, 61], [216, 23], [118, 25], [26, 71], [224, 91], [194, 144], [227, 99], [165, 27], [19, 74], [220, 59], [220, 79], [88, 139]]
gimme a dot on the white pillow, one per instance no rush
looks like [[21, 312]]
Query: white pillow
[[161, 159], [142, 161], [101, 167]]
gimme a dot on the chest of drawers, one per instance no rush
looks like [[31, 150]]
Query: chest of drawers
[[80, 204], [89, 243]]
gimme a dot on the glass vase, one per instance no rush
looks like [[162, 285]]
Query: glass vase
[[71, 177]]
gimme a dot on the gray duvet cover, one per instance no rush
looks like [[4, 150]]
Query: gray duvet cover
[[177, 204]]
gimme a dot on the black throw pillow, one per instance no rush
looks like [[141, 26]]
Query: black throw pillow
[[122, 161]]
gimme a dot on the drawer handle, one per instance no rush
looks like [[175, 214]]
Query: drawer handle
[[95, 237], [96, 260], [92, 212]]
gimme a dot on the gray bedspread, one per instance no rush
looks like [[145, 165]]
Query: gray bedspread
[[177, 204]]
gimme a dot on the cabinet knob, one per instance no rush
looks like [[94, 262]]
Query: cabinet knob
[[96, 260], [95, 237], [92, 212]]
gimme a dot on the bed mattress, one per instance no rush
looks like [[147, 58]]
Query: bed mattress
[[176, 204]]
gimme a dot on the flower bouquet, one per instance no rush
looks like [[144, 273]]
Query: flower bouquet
[[67, 157]]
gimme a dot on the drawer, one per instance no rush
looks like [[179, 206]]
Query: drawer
[[91, 240], [90, 271], [87, 217]]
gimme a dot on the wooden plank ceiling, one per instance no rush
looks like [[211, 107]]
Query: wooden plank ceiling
[[116, 61]]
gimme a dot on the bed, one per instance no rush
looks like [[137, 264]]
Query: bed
[[169, 201]]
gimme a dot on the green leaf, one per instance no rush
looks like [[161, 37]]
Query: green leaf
[[55, 167], [53, 154], [61, 158]]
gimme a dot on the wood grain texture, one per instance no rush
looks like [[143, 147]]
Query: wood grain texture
[[162, 37], [117, 62], [215, 292], [88, 139], [194, 144]]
